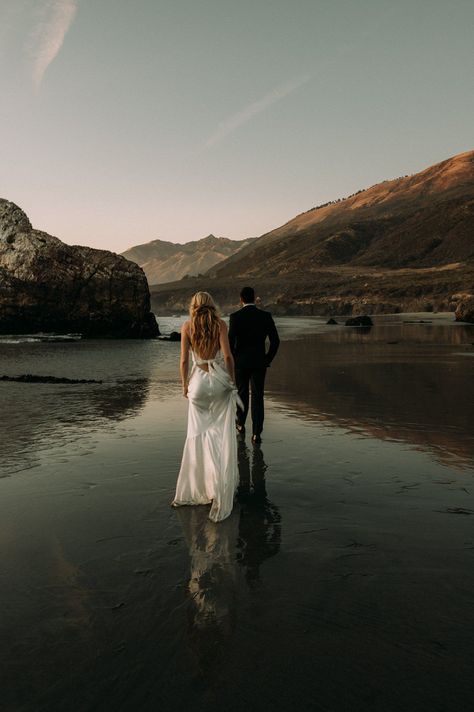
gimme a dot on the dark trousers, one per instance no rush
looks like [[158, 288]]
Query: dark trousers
[[255, 378]]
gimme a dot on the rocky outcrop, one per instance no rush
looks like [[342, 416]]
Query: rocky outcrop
[[359, 321], [465, 310], [46, 285], [31, 378], [174, 336]]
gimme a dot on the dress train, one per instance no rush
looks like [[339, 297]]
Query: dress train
[[209, 467]]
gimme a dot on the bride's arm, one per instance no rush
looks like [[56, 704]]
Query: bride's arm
[[226, 352], [184, 360]]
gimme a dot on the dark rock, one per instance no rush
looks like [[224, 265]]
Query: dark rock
[[174, 336], [49, 338], [46, 285], [359, 321], [29, 378], [53, 339], [331, 321], [465, 310]]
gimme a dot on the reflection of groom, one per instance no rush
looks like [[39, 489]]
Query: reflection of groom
[[248, 331], [260, 520]]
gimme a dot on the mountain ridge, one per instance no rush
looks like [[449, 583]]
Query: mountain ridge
[[363, 216], [402, 244], [164, 261]]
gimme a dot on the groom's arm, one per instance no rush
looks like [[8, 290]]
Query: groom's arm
[[272, 334], [232, 334]]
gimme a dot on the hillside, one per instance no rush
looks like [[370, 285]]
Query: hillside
[[401, 244], [424, 220], [168, 261]]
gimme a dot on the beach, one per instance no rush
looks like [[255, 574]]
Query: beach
[[343, 580]]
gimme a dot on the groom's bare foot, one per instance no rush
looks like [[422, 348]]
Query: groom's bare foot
[[256, 439]]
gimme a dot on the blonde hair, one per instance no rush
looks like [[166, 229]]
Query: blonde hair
[[205, 325]]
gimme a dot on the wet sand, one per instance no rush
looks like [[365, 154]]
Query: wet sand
[[343, 580]]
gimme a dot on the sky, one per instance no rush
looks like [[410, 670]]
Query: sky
[[123, 122]]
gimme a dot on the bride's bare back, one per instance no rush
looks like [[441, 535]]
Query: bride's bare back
[[222, 345]]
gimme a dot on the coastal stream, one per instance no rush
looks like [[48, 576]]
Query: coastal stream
[[343, 580]]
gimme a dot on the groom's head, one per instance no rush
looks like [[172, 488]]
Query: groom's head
[[247, 295]]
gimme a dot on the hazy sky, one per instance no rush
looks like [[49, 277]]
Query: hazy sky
[[122, 121]]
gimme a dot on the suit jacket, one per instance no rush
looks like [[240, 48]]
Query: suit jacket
[[248, 330]]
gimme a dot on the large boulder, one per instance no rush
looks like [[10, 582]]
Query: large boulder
[[359, 321], [46, 285], [174, 336], [465, 310]]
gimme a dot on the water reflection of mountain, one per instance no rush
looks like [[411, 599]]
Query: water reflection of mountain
[[404, 382], [42, 416]]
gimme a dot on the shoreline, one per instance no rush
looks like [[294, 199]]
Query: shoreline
[[292, 326], [297, 326]]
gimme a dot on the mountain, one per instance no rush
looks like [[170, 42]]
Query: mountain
[[46, 285], [424, 220], [168, 261], [402, 244]]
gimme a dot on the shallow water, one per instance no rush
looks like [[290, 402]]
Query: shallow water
[[342, 581]]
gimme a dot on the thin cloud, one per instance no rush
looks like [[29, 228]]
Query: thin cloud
[[47, 38], [242, 117]]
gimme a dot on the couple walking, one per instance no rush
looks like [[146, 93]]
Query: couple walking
[[225, 364]]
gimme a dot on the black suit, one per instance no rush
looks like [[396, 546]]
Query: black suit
[[248, 331]]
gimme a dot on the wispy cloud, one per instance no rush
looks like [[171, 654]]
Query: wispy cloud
[[47, 37], [234, 122], [283, 90]]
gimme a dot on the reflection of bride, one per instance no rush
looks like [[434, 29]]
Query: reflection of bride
[[219, 552], [225, 560], [213, 572]]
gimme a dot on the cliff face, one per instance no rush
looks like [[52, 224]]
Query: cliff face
[[167, 261], [46, 285]]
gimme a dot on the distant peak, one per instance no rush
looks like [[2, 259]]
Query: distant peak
[[210, 238]]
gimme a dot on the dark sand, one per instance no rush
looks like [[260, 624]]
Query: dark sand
[[343, 581]]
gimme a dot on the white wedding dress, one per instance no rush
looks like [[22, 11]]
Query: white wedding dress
[[209, 468]]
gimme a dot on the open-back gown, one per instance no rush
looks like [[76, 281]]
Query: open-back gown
[[209, 469]]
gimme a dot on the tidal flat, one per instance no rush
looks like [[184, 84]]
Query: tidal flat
[[343, 580]]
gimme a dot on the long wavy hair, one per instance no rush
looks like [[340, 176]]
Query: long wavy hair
[[205, 325]]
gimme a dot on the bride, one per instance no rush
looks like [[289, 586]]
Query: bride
[[209, 469]]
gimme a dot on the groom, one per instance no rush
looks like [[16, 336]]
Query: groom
[[248, 330]]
